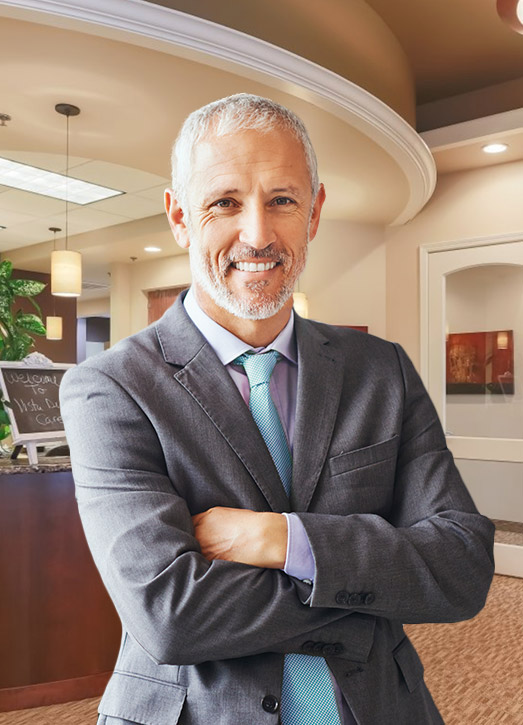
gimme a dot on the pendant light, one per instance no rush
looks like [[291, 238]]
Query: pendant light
[[53, 327], [66, 265], [53, 323], [300, 302]]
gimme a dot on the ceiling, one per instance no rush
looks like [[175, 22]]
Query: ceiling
[[133, 99], [452, 46]]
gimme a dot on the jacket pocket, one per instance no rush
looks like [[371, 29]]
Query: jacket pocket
[[142, 700], [362, 457], [409, 663]]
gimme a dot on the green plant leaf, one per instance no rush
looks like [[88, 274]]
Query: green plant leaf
[[5, 307], [5, 430], [20, 346], [36, 306], [30, 322], [26, 287], [6, 269], [4, 418]]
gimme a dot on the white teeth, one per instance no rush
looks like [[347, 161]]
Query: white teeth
[[253, 267]]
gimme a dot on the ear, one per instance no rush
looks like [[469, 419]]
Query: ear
[[316, 211], [176, 219]]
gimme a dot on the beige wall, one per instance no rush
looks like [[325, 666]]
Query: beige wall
[[478, 203], [129, 285], [344, 280], [98, 307], [345, 275]]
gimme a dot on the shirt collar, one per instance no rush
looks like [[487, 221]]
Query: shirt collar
[[226, 345]]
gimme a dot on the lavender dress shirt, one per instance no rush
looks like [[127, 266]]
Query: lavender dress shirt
[[299, 562]]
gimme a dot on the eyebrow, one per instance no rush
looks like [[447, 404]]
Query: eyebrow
[[218, 193]]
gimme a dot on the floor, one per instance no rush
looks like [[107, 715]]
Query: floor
[[509, 532]]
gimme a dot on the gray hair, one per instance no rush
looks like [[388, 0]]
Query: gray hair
[[240, 112]]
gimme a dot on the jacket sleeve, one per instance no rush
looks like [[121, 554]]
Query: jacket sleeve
[[181, 608], [431, 559]]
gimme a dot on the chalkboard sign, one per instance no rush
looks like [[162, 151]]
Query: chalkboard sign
[[32, 392]]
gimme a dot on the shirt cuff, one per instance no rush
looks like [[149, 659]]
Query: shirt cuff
[[300, 561]]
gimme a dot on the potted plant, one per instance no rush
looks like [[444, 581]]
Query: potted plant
[[16, 328]]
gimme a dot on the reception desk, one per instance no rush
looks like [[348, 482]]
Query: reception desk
[[59, 632]]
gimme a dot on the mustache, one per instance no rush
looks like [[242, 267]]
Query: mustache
[[242, 253]]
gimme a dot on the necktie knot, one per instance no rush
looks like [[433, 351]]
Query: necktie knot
[[258, 368]]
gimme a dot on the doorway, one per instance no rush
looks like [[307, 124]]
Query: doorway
[[472, 364]]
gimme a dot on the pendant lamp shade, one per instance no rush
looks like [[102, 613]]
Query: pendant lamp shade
[[66, 273], [53, 325]]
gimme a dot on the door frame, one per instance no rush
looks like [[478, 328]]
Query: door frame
[[509, 558]]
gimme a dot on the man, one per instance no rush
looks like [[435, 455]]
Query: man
[[266, 498]]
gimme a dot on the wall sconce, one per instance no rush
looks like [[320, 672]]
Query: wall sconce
[[502, 340]]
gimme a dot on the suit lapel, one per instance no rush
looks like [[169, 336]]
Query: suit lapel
[[320, 377], [205, 378]]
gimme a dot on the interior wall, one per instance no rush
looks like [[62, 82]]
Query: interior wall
[[344, 280], [59, 351], [478, 203], [99, 307], [345, 275]]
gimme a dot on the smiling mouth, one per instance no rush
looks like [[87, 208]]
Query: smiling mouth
[[254, 266]]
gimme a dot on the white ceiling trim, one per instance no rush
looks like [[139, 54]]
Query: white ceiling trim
[[458, 134], [326, 89]]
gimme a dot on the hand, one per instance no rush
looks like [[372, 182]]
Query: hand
[[244, 536]]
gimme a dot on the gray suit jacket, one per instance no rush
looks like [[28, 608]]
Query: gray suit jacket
[[158, 431]]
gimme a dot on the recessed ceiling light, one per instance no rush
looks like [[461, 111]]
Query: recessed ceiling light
[[152, 249], [495, 148], [49, 183], [511, 11]]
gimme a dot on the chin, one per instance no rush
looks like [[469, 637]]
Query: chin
[[253, 304]]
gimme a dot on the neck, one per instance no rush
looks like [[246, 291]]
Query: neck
[[256, 333]]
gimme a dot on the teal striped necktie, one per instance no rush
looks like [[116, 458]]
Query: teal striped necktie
[[307, 696]]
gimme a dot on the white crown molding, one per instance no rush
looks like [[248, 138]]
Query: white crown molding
[[289, 72], [475, 130]]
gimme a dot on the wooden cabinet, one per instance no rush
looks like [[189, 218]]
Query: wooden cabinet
[[59, 632]]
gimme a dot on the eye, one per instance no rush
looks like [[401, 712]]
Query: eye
[[224, 203], [283, 201]]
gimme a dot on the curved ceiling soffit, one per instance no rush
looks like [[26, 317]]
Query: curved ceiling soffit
[[278, 67]]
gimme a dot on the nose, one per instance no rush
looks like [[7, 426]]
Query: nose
[[256, 227]]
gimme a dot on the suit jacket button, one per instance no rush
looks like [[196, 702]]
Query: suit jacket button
[[318, 648], [308, 646], [354, 600], [369, 598], [342, 597], [338, 648], [328, 649], [270, 703]]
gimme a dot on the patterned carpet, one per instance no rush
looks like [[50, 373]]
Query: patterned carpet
[[509, 532], [474, 669]]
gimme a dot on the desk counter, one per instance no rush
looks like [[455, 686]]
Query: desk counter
[[59, 631]]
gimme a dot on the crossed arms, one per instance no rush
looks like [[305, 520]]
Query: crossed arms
[[209, 587]]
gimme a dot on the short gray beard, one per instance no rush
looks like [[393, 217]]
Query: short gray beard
[[262, 306]]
